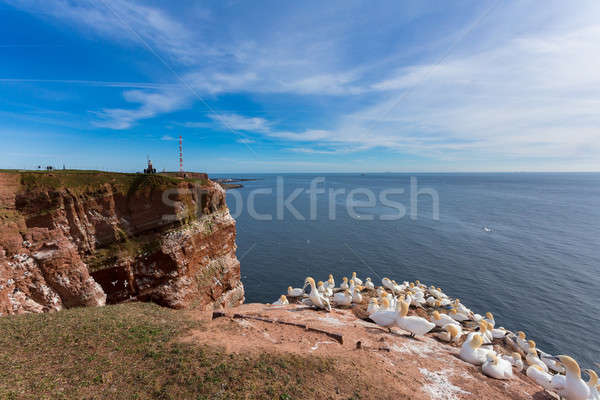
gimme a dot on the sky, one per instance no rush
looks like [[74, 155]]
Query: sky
[[311, 86]]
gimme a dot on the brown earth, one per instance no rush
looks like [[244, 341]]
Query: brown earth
[[381, 365], [84, 239]]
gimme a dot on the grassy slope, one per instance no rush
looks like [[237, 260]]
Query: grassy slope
[[131, 351]]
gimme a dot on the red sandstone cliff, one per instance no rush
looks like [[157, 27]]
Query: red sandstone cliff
[[72, 239]]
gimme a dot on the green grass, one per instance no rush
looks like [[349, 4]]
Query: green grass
[[132, 351]]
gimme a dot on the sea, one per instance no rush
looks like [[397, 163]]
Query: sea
[[525, 246]]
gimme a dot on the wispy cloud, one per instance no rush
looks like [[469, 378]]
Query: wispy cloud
[[151, 104]]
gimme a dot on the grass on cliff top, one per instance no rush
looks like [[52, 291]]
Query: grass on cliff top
[[83, 180], [131, 351]]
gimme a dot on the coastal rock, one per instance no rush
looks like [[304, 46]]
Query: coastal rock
[[77, 239]]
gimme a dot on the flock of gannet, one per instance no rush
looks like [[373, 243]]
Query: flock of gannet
[[452, 322]]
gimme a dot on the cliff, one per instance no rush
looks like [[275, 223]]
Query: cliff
[[76, 238]]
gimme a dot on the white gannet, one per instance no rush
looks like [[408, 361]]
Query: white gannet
[[442, 319], [392, 300], [385, 317], [282, 301], [295, 292], [385, 305], [343, 298], [451, 334], [357, 281], [522, 341], [330, 282], [540, 376], [472, 352], [515, 360], [356, 296], [397, 288], [417, 326], [551, 362], [489, 317], [497, 368], [460, 307], [316, 298], [458, 316], [593, 384], [532, 357], [344, 284], [387, 283], [324, 289], [570, 386], [498, 333], [369, 284], [321, 287], [485, 333], [373, 306], [434, 292], [431, 301], [444, 295]]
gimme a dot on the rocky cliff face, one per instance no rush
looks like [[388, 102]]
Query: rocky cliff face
[[72, 239]]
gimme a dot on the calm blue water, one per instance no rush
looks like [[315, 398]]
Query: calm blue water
[[537, 270]]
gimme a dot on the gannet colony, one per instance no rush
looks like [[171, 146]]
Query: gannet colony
[[500, 352]]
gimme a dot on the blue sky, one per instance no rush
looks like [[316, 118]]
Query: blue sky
[[277, 86]]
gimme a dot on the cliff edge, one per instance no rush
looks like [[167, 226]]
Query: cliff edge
[[87, 238]]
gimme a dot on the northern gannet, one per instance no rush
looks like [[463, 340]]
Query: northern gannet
[[551, 362], [432, 301], [570, 386], [593, 384], [387, 283], [460, 307], [515, 359], [472, 352], [385, 305], [451, 334], [417, 326], [324, 289], [331, 282], [369, 284], [321, 287], [458, 316], [485, 333], [385, 317], [522, 341], [498, 333], [540, 376], [497, 368], [357, 281], [343, 298], [282, 301], [295, 292], [356, 296], [373, 306], [532, 357], [442, 319], [489, 317], [316, 298], [344, 284]]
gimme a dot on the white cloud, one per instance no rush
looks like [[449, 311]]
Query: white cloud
[[241, 123], [245, 141], [151, 104]]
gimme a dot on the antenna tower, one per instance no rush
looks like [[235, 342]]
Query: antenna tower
[[180, 154]]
